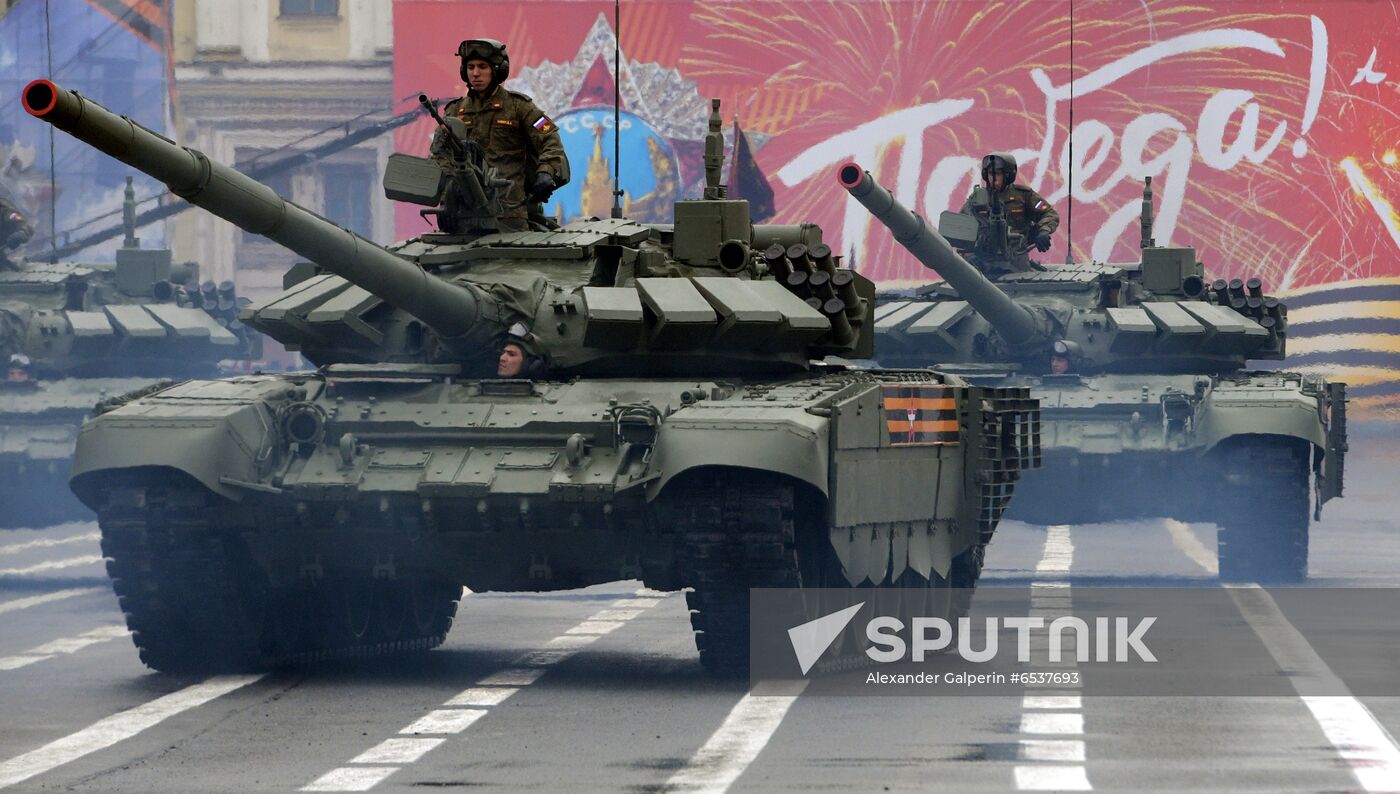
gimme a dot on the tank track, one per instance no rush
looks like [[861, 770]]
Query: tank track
[[1264, 517], [196, 603], [736, 533], [742, 532]]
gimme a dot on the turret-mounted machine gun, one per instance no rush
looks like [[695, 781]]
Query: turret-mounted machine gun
[[462, 189], [984, 237]]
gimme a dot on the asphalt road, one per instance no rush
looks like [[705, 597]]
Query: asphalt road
[[600, 689]]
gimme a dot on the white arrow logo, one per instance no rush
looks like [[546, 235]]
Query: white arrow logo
[[811, 639]]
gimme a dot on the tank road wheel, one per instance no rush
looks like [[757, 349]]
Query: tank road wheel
[[357, 609], [1264, 515], [432, 606], [737, 532], [390, 608], [192, 598], [196, 602]]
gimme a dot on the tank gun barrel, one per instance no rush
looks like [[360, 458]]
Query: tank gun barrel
[[1013, 322], [449, 309]]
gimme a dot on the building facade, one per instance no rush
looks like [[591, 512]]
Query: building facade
[[259, 80]]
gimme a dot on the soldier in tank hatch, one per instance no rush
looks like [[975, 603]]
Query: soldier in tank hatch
[[518, 139], [1027, 213]]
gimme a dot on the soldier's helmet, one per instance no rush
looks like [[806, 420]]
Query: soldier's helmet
[[489, 50], [998, 161]]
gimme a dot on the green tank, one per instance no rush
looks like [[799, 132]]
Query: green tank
[[73, 334], [674, 424], [1151, 409]]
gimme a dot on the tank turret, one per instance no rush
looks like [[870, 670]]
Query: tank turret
[[711, 293], [1154, 315]]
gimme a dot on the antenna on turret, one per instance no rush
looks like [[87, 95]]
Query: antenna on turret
[[129, 216], [1147, 241], [617, 104], [1069, 183], [714, 153]]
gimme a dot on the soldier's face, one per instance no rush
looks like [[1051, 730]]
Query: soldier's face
[[998, 180], [478, 74], [510, 363], [1059, 365]]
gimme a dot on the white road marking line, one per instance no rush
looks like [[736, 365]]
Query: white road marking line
[[1045, 701], [71, 562], [514, 676], [47, 598], [359, 778], [738, 741], [636, 603], [445, 721], [452, 719], [396, 751], [1360, 740], [1058, 763], [15, 548], [573, 641], [1052, 723], [16, 662], [66, 645], [616, 614], [483, 696], [1052, 750], [1187, 543], [108, 731], [72, 644], [595, 627], [1052, 778], [1059, 551]]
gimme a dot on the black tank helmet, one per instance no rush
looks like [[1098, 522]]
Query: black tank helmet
[[489, 50], [998, 161]]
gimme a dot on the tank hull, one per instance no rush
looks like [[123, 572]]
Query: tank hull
[[382, 482], [39, 423], [1255, 453]]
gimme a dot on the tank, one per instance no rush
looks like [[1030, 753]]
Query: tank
[[678, 420], [74, 334], [1142, 372]]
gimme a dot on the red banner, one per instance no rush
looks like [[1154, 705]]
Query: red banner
[[1270, 128]]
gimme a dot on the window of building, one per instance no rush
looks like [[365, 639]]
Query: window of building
[[310, 8], [349, 190]]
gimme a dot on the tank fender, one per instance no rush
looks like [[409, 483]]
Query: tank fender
[[1231, 413], [797, 449], [220, 449]]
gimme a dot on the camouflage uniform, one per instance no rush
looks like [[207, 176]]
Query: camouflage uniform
[[1027, 212], [15, 229], [519, 141]]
